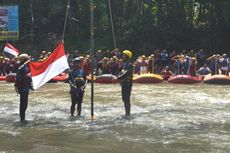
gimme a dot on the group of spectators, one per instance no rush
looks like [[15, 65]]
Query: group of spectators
[[187, 63], [8, 65], [109, 62]]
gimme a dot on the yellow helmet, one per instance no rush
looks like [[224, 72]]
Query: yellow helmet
[[127, 53]]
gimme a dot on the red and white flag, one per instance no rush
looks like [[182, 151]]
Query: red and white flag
[[11, 50], [56, 63]]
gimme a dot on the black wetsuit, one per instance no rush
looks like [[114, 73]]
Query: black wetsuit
[[126, 77], [23, 85], [77, 80]]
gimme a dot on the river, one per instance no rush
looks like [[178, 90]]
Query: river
[[166, 118]]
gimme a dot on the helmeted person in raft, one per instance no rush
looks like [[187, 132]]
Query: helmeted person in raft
[[78, 82], [23, 83], [126, 77]]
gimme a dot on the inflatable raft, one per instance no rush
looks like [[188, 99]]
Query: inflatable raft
[[61, 77], [11, 77], [184, 79], [2, 78], [106, 78], [217, 79], [148, 78]]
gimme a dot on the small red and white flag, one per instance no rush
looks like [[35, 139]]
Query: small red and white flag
[[11, 50], [56, 63]]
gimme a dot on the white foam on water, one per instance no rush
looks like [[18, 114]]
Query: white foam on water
[[163, 114]]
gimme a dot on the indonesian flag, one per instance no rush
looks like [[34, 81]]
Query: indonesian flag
[[42, 72], [11, 50]]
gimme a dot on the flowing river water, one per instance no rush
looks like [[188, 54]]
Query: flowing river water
[[166, 118]]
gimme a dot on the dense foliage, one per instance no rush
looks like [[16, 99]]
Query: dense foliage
[[140, 25]]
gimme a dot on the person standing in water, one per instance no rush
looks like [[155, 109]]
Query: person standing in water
[[77, 81], [23, 84], [126, 77]]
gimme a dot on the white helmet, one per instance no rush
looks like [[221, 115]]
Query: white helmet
[[23, 57]]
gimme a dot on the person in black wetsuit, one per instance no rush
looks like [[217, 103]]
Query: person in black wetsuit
[[23, 84], [77, 81], [126, 77]]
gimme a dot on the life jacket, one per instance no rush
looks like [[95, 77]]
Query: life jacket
[[1, 64], [204, 71], [127, 72], [114, 67], [224, 63], [7, 66], [22, 79], [77, 77], [143, 67], [105, 68], [178, 64], [143, 63], [164, 56], [192, 68], [16, 66], [187, 63], [87, 67], [11, 62], [213, 64]]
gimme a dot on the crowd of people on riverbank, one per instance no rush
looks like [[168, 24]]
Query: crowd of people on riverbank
[[159, 62], [8, 65]]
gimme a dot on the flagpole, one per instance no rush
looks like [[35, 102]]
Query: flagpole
[[32, 22], [92, 56], [112, 26], [66, 16]]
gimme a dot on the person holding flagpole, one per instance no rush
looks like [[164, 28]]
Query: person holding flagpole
[[23, 84], [77, 81], [126, 77]]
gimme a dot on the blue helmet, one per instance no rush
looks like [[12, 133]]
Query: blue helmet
[[225, 56]]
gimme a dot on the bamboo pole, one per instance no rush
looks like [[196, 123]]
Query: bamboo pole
[[92, 56]]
